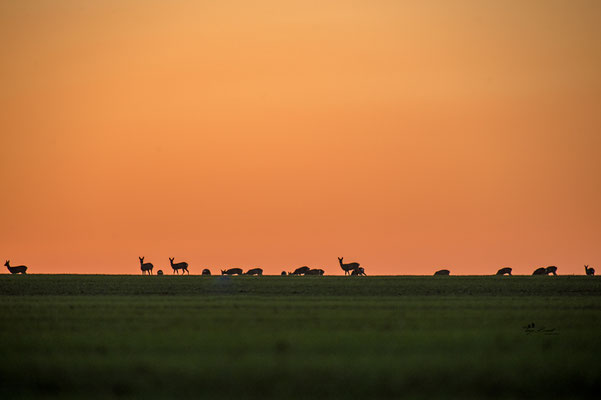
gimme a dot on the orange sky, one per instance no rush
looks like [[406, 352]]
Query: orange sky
[[407, 136]]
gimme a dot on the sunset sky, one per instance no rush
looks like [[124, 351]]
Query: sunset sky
[[408, 136]]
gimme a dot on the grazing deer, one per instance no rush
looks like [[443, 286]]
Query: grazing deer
[[359, 271], [21, 269], [504, 271], [255, 271], [300, 271], [317, 271], [347, 267], [232, 271], [540, 271], [442, 272], [145, 267], [176, 267], [206, 271], [551, 270], [589, 271]]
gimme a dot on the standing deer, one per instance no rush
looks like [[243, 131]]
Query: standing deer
[[540, 271], [232, 271], [21, 269], [347, 267], [300, 271], [442, 272], [589, 271], [145, 267], [503, 271], [182, 265], [551, 270], [254, 271]]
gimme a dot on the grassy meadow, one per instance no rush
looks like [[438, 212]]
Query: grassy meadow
[[93, 336]]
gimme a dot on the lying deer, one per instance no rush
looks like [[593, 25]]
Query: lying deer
[[359, 271], [540, 271], [589, 271], [347, 267], [317, 271], [255, 271], [206, 271], [21, 269], [504, 271], [442, 272], [300, 271], [176, 267], [232, 271], [145, 267]]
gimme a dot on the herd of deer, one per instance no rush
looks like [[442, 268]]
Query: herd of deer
[[550, 270], [349, 269]]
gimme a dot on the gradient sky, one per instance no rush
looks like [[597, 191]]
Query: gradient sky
[[407, 136]]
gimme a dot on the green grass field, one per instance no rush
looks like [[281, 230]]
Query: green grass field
[[91, 336]]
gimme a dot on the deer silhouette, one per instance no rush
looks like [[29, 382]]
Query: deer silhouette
[[232, 271], [442, 272], [145, 267], [254, 271], [359, 271], [551, 270], [589, 271], [300, 271], [317, 271], [160, 272], [504, 271], [206, 271], [284, 273], [21, 269], [176, 267], [540, 271], [347, 267]]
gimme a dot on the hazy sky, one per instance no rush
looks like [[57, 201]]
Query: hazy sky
[[407, 136]]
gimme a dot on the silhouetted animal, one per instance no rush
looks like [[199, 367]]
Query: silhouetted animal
[[315, 272], [503, 271], [283, 273], [442, 272], [206, 271], [176, 267], [540, 271], [232, 271], [347, 267], [589, 271], [551, 270], [358, 271], [145, 267], [300, 271], [255, 271], [160, 272], [21, 269]]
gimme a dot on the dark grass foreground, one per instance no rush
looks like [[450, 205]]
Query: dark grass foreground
[[299, 337]]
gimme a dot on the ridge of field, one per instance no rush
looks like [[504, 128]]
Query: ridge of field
[[272, 337], [300, 285]]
